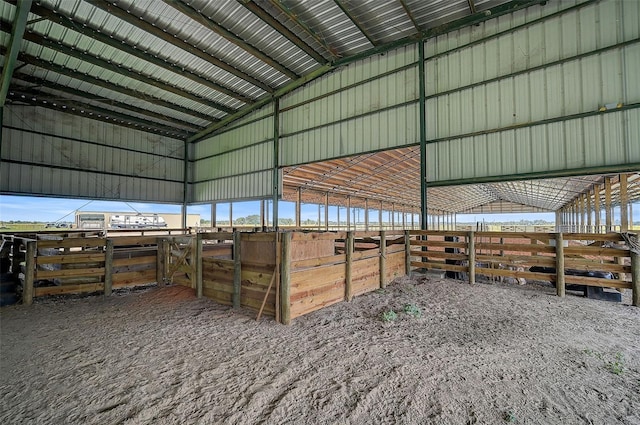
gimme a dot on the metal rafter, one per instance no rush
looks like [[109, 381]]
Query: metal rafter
[[294, 18], [355, 21], [433, 32], [37, 83], [472, 6], [207, 22], [120, 44], [17, 32], [282, 30], [171, 39], [31, 60], [69, 50], [92, 111], [408, 12]]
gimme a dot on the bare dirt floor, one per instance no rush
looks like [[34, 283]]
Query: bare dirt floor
[[482, 354]]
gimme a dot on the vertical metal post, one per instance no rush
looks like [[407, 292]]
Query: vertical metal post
[[185, 187], [214, 218], [423, 137], [231, 215], [607, 204], [383, 259], [276, 159], [348, 288], [380, 215], [596, 207], [366, 215], [298, 208], [348, 213]]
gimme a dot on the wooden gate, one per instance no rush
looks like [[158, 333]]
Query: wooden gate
[[179, 263]]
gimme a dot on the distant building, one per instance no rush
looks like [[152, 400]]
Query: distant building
[[132, 220]]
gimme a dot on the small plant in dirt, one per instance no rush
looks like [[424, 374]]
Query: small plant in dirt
[[509, 417], [412, 310], [617, 366], [380, 291], [389, 316]]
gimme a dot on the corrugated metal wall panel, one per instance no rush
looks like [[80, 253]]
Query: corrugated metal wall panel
[[255, 158], [248, 186], [383, 130], [608, 139], [40, 180], [79, 157]]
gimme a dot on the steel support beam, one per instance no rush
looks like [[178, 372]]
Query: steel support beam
[[197, 16], [424, 225], [119, 44], [15, 42], [408, 12], [36, 83], [282, 30], [434, 32], [276, 159], [31, 60], [136, 21], [294, 18], [355, 21]]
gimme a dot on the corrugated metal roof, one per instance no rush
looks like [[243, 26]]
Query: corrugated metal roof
[[191, 63], [226, 52]]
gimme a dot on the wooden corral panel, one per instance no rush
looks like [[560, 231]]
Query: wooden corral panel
[[395, 263], [365, 275], [315, 288], [254, 285], [217, 280]]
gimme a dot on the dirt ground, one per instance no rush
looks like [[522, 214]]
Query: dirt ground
[[483, 354]]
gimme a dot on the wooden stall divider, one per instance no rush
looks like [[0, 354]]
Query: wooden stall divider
[[471, 252], [285, 280], [348, 275], [29, 273], [197, 261], [383, 259], [560, 282], [159, 262], [407, 253], [166, 250], [635, 279], [108, 268], [237, 269]]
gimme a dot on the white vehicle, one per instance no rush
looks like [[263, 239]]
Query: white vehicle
[[136, 221]]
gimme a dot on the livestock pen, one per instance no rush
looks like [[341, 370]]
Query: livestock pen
[[289, 274]]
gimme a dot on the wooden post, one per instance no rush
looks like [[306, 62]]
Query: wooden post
[[407, 253], [277, 271], [237, 269], [197, 261], [348, 289], [471, 252], [108, 268], [29, 273], [285, 280], [624, 204], [560, 287], [166, 250], [159, 260], [383, 259], [635, 279]]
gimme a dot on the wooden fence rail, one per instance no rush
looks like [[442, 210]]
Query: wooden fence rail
[[290, 274]]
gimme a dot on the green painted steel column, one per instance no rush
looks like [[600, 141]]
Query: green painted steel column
[[185, 188], [424, 224], [276, 158]]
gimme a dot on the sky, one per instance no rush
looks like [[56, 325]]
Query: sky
[[29, 208]]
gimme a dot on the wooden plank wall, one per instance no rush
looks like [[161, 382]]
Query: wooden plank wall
[[134, 260], [511, 255], [218, 267], [327, 273]]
